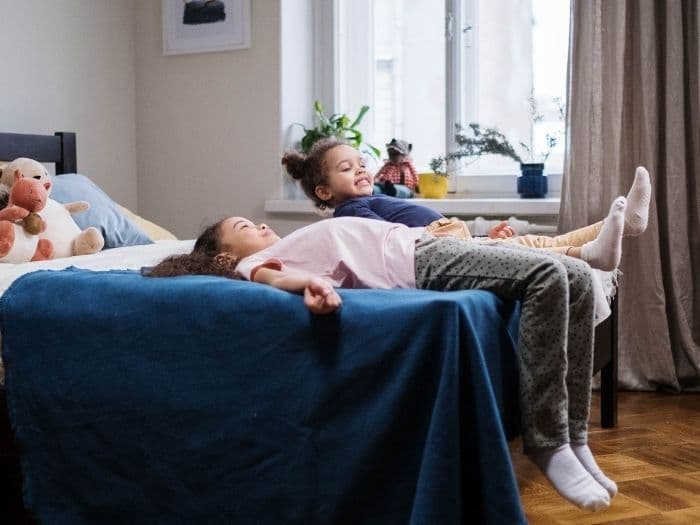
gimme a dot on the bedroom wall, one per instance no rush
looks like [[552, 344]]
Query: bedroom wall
[[209, 129], [69, 65], [183, 140]]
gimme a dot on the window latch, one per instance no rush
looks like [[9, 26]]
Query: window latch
[[467, 31]]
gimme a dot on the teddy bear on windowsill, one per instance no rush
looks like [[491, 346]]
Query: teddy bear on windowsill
[[398, 177]]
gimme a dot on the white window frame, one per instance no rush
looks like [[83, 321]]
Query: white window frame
[[333, 34]]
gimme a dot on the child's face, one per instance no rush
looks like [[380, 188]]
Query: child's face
[[347, 176], [240, 237]]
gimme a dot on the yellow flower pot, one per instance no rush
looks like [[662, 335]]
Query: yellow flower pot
[[432, 186]]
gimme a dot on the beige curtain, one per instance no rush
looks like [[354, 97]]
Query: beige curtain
[[633, 99]]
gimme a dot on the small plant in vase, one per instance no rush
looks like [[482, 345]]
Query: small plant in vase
[[433, 184], [477, 141], [532, 183]]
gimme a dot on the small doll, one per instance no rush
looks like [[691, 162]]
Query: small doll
[[398, 177]]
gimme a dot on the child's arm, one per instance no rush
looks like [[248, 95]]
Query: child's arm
[[319, 296]]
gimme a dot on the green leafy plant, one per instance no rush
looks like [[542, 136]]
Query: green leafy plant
[[337, 125], [480, 142], [477, 141], [437, 164]]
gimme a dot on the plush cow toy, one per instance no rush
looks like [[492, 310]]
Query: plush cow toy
[[60, 228], [20, 224]]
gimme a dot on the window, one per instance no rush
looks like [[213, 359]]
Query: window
[[424, 66]]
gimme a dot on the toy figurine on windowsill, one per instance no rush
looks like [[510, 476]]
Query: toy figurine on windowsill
[[398, 177]]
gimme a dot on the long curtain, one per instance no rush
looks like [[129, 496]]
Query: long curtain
[[633, 99]]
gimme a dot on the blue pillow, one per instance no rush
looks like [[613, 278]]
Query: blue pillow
[[104, 214]]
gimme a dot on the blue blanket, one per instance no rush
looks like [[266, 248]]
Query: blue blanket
[[205, 400]]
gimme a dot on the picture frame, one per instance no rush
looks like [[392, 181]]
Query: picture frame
[[203, 26]]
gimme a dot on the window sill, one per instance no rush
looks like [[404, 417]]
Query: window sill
[[450, 206]]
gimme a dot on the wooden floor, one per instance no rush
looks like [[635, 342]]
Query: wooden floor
[[653, 455]]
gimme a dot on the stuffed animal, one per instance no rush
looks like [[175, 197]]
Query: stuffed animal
[[67, 237], [20, 224], [29, 168], [398, 170]]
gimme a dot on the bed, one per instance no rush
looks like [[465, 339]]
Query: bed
[[206, 400]]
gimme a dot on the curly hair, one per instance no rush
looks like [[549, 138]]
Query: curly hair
[[310, 169], [204, 259]]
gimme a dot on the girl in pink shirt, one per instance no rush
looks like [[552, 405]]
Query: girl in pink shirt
[[555, 335]]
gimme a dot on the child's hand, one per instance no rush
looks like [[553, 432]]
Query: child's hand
[[320, 297], [501, 231]]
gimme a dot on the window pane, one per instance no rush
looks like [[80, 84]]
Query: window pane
[[515, 54], [520, 80], [550, 56], [409, 76]]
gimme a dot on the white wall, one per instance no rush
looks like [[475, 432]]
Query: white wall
[[182, 139], [209, 125], [69, 65]]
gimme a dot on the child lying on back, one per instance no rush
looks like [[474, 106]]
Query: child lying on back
[[555, 332]]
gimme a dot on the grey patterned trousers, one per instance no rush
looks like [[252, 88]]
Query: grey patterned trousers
[[555, 335]]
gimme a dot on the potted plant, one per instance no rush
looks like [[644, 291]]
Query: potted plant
[[337, 125], [434, 185], [477, 141]]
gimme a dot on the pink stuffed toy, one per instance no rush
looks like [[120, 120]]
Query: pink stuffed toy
[[20, 223], [67, 237]]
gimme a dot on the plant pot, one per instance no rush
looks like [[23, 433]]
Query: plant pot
[[532, 183], [432, 186]]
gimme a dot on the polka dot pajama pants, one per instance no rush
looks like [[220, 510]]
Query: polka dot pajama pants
[[555, 335]]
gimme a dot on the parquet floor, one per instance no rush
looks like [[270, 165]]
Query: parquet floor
[[653, 454]]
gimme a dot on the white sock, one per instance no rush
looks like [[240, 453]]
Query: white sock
[[570, 479], [638, 198], [604, 252], [585, 456]]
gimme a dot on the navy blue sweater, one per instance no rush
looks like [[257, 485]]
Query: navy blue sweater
[[389, 209]]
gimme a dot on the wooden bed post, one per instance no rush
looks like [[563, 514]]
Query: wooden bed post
[[68, 163]]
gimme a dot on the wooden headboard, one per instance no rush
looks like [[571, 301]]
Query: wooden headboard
[[58, 148]]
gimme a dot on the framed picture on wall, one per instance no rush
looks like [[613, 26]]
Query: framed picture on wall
[[201, 26]]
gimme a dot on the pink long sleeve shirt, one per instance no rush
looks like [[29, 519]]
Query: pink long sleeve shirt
[[350, 252]]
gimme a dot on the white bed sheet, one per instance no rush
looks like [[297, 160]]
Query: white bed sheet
[[125, 258], [136, 257]]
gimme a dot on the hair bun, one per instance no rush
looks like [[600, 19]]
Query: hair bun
[[293, 161]]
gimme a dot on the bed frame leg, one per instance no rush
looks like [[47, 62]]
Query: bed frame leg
[[608, 374]]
